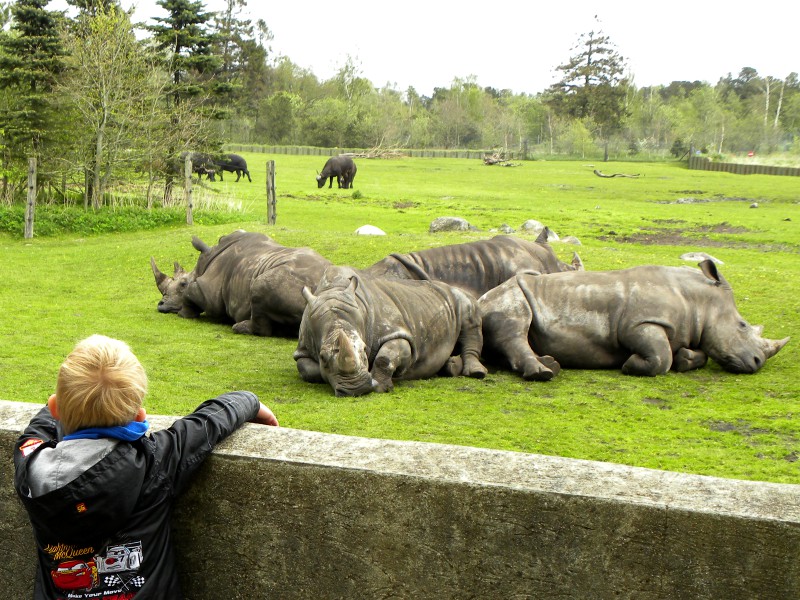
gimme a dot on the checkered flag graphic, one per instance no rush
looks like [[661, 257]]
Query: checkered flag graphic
[[112, 580], [137, 581]]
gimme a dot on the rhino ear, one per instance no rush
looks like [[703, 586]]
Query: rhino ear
[[543, 235], [577, 263], [308, 295], [709, 269], [351, 289], [162, 280], [200, 245]]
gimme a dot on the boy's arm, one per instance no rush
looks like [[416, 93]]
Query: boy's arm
[[42, 430], [189, 440]]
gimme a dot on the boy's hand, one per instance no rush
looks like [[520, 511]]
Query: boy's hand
[[265, 416]]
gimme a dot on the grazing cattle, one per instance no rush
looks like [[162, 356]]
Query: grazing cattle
[[232, 163], [247, 278], [645, 320], [358, 333], [202, 164], [341, 167], [475, 267]]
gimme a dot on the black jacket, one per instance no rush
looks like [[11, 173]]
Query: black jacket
[[100, 509]]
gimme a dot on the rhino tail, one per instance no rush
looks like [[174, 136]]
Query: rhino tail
[[772, 347]]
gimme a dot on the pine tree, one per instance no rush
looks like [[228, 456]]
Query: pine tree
[[31, 58], [592, 86]]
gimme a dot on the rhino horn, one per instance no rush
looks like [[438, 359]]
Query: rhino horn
[[308, 295], [771, 347], [347, 357], [179, 270], [162, 280], [200, 245]]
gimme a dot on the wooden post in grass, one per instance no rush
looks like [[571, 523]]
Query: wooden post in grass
[[31, 205], [187, 187], [271, 201]]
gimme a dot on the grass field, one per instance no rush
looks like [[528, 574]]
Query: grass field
[[57, 290]]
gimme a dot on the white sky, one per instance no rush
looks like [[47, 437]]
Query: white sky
[[516, 44]]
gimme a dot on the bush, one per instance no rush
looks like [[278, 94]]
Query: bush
[[57, 220]]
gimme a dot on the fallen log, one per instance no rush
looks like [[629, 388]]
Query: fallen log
[[599, 174]]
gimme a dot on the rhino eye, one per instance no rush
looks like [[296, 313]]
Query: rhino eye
[[184, 284], [742, 325]]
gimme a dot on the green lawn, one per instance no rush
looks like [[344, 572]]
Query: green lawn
[[56, 290]]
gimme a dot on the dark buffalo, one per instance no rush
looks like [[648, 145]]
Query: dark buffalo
[[246, 278], [232, 163], [202, 164], [644, 320], [475, 267], [341, 167], [359, 333]]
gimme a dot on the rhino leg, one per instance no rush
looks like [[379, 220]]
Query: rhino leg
[[505, 330], [470, 337], [687, 360], [652, 354], [394, 355], [309, 370]]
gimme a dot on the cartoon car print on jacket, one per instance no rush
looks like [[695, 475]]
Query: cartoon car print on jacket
[[123, 557], [75, 575]]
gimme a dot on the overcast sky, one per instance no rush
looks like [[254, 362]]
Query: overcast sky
[[517, 44]]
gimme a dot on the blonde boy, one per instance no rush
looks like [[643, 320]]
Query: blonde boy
[[98, 490]]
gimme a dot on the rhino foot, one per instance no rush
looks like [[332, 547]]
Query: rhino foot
[[543, 369], [473, 368], [243, 327], [453, 367]]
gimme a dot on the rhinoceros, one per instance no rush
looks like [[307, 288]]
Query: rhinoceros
[[645, 320], [359, 333], [475, 267], [247, 278]]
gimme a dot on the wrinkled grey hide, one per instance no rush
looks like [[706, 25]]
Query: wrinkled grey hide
[[357, 333], [341, 167], [475, 267], [247, 278], [645, 320]]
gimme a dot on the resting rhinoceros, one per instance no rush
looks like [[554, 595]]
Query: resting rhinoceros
[[475, 267], [247, 278], [359, 333], [644, 320]]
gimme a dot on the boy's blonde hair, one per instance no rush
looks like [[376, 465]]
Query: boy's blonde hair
[[100, 384]]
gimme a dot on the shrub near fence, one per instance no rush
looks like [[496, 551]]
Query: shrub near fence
[[702, 163]]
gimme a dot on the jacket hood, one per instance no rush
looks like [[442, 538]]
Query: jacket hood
[[82, 490]]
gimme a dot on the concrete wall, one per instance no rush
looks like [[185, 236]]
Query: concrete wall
[[282, 513]]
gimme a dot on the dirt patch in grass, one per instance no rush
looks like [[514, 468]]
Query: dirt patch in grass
[[402, 205], [681, 237]]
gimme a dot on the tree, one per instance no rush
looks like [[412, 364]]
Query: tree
[[31, 58], [592, 86], [108, 85]]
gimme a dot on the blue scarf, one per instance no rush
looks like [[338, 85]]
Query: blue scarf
[[129, 433]]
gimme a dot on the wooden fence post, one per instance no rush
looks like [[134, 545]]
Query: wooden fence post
[[187, 187], [271, 200], [30, 207]]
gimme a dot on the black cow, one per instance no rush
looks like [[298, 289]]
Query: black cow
[[342, 167], [202, 164], [234, 164]]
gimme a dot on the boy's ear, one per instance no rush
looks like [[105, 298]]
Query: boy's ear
[[141, 415], [52, 404]]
